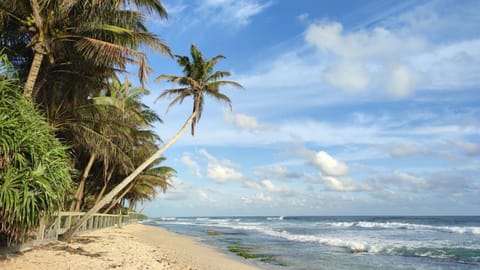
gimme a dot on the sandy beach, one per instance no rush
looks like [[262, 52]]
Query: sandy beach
[[133, 246]]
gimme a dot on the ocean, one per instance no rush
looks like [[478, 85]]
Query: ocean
[[318, 242]]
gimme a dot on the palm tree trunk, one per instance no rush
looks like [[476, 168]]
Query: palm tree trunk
[[114, 202], [38, 49], [131, 207], [105, 184], [70, 232], [32, 75], [77, 198]]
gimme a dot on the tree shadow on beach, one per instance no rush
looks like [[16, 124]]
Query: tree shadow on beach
[[77, 251], [85, 239]]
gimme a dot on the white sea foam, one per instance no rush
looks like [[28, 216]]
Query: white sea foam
[[275, 218], [408, 226], [167, 219], [354, 244]]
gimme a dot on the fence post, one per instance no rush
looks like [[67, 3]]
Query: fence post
[[120, 218], [41, 230], [57, 225], [68, 222]]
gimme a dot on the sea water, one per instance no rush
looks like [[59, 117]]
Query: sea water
[[289, 243]]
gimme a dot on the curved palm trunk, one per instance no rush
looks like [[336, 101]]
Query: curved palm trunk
[[70, 232], [114, 202], [77, 198]]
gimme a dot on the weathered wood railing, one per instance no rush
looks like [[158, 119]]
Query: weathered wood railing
[[49, 230]]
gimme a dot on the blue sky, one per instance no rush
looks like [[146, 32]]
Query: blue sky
[[349, 108]]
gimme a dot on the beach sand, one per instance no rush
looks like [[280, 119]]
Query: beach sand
[[133, 246]]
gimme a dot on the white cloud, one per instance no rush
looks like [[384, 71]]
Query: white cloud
[[453, 66], [437, 184], [235, 12], [339, 184], [364, 55], [331, 183], [286, 70], [256, 198], [252, 185], [262, 197], [440, 21], [191, 164], [179, 191], [402, 81], [412, 179], [396, 58], [242, 121], [272, 187], [207, 155], [222, 174], [400, 150], [328, 165], [277, 171], [350, 76], [204, 196], [220, 171], [174, 9], [376, 44]]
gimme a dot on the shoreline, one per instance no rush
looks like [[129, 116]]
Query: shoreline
[[134, 246]]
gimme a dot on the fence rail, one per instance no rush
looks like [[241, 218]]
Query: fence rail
[[50, 229]]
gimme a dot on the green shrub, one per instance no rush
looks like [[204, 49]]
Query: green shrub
[[34, 166]]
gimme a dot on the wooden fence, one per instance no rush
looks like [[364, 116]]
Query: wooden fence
[[49, 230]]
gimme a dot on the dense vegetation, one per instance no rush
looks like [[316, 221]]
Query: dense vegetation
[[69, 56], [34, 169]]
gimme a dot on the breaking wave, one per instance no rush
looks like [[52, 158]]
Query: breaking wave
[[408, 226]]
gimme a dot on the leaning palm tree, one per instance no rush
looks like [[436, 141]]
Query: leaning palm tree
[[145, 185], [199, 80]]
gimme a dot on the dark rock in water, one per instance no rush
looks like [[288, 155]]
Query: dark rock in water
[[357, 250], [210, 232]]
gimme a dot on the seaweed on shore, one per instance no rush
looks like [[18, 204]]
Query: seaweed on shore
[[246, 252]]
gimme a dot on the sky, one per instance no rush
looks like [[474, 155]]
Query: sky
[[349, 108]]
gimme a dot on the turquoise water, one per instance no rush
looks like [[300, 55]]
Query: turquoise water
[[341, 242]]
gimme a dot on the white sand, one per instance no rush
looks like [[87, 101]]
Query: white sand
[[131, 247]]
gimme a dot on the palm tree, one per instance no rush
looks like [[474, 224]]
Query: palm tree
[[107, 33], [199, 80], [145, 185], [110, 132]]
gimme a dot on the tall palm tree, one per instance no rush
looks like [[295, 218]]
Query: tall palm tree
[[112, 130], [199, 80], [107, 33]]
